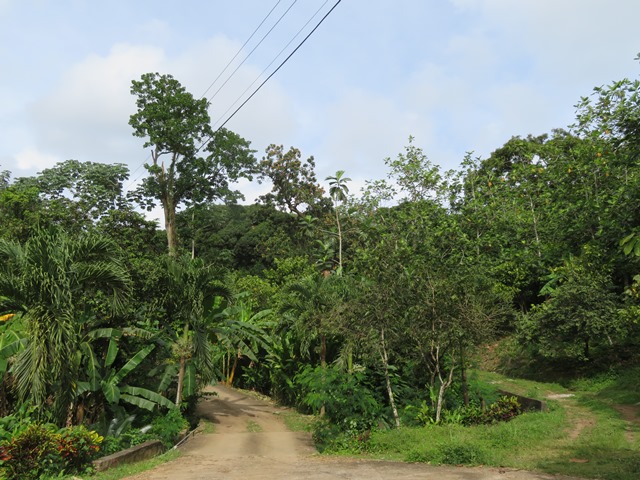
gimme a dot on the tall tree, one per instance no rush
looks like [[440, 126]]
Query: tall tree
[[192, 301], [338, 190], [85, 190], [295, 187], [177, 127], [313, 305]]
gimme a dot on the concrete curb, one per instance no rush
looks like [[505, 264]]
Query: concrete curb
[[144, 451]]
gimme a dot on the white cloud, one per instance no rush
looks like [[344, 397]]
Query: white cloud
[[31, 158], [86, 115], [265, 118], [363, 130], [568, 39], [155, 31]]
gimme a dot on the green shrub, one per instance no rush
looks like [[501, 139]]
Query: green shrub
[[422, 414], [13, 424], [502, 410], [30, 454], [167, 428], [78, 447], [39, 451], [351, 409], [348, 403]]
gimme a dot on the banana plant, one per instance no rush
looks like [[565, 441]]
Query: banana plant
[[240, 332], [105, 380]]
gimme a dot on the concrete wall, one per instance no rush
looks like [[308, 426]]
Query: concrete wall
[[140, 452], [527, 404]]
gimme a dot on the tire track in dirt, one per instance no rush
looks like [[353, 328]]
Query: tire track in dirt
[[578, 417], [631, 415], [238, 451]]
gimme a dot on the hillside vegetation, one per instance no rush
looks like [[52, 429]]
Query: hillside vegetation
[[372, 308]]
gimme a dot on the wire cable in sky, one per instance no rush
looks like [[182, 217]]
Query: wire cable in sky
[[131, 182], [241, 48], [276, 70], [252, 50], [271, 63]]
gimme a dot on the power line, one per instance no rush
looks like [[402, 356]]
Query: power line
[[253, 50], [276, 70], [131, 182], [272, 61], [242, 47]]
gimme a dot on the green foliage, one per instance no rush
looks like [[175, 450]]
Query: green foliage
[[295, 187], [78, 447], [451, 453], [168, 427], [579, 315], [21, 210], [11, 425], [83, 191], [192, 302], [41, 452], [502, 410], [349, 405], [177, 125], [120, 434], [51, 280]]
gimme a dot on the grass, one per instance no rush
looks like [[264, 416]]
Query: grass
[[297, 422], [126, 470], [581, 436], [206, 426], [517, 444], [621, 386], [253, 427]]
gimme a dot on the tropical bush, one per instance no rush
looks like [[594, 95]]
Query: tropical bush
[[350, 408], [167, 428], [502, 410], [41, 451]]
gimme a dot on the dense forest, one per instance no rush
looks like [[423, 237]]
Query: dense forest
[[356, 304]]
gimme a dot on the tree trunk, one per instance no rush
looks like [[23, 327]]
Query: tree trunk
[[180, 381], [233, 371], [444, 384], [193, 235], [70, 415], [535, 227], [339, 241], [463, 378], [323, 364], [168, 205], [385, 363], [170, 226], [323, 351]]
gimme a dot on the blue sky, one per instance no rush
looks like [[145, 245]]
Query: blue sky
[[458, 75]]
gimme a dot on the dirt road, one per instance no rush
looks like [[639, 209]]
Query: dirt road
[[252, 442]]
